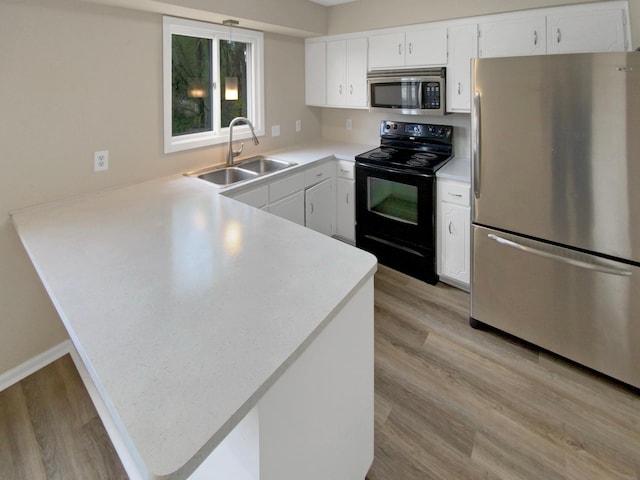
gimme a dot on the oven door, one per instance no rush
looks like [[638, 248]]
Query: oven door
[[395, 218]]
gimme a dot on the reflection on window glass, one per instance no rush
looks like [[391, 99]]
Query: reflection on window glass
[[191, 85], [233, 72]]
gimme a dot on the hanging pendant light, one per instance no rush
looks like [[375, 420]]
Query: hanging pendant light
[[231, 83]]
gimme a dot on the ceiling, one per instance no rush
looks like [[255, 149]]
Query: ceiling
[[328, 3]]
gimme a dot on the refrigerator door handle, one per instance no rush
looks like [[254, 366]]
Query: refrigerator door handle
[[475, 148], [552, 256]]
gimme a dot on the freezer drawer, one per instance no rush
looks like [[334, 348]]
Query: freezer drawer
[[579, 306]]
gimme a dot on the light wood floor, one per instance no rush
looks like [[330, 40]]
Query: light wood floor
[[451, 403]]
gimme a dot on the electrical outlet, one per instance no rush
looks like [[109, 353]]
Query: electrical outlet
[[349, 124], [101, 161], [275, 130], [298, 126]]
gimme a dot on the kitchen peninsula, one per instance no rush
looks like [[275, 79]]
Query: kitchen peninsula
[[200, 319]]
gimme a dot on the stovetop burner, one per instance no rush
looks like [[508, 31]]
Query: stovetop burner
[[382, 154], [413, 147]]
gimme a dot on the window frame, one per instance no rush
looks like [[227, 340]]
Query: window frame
[[255, 83]]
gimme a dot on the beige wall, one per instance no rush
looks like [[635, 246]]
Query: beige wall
[[76, 78]]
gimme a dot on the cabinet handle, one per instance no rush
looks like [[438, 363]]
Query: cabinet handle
[[451, 228], [350, 89], [410, 48], [459, 88], [457, 195], [344, 171], [318, 175], [312, 207], [399, 49], [558, 36], [535, 37], [340, 89], [347, 199]]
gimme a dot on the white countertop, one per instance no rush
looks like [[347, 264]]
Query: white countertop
[[458, 169], [185, 305]]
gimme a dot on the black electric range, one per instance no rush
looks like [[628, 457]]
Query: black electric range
[[396, 196]]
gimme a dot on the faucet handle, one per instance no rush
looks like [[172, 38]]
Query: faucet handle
[[235, 153]]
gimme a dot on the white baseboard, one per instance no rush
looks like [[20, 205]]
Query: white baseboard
[[34, 364]]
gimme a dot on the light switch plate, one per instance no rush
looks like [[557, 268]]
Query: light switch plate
[[275, 130]]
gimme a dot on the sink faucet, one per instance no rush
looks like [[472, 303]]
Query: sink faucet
[[234, 153]]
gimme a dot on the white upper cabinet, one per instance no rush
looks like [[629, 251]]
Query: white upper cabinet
[[413, 48], [511, 37], [315, 73], [587, 29], [337, 66], [347, 73], [463, 46]]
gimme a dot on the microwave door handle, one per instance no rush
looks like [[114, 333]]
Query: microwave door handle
[[475, 147]]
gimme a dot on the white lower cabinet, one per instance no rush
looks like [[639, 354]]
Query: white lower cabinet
[[345, 202], [454, 246], [290, 208], [308, 198], [320, 207]]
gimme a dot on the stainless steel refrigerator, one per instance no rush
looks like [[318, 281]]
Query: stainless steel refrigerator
[[556, 210]]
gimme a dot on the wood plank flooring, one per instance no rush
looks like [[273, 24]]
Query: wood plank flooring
[[50, 430], [451, 403], [457, 403]]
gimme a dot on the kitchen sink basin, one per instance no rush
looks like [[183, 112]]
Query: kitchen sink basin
[[262, 165], [228, 175], [246, 169]]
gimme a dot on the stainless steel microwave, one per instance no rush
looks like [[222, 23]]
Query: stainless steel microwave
[[412, 92]]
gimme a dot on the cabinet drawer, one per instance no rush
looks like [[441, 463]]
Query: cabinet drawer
[[258, 197], [317, 174], [454, 192], [344, 169], [285, 187]]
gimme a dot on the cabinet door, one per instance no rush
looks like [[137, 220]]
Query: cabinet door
[[513, 37], [455, 234], [336, 72], [463, 46], [315, 73], [320, 207], [426, 47], [291, 208], [590, 30], [356, 86], [386, 50], [345, 209]]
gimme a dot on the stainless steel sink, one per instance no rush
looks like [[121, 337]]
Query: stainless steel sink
[[228, 175], [246, 169], [262, 165]]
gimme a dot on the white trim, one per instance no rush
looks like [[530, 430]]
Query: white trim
[[34, 364], [255, 70]]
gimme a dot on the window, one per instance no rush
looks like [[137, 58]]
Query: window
[[212, 74]]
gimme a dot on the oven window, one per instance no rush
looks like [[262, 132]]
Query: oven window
[[394, 200]]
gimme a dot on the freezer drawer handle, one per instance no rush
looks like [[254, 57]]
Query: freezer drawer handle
[[559, 258]]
